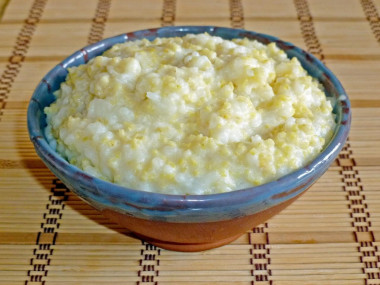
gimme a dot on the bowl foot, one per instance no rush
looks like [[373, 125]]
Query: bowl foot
[[189, 247]]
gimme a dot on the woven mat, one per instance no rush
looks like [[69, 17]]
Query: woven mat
[[331, 235]]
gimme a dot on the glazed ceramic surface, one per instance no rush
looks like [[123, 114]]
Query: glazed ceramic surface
[[131, 207]]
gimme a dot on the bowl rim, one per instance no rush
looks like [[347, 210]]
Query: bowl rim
[[149, 204]]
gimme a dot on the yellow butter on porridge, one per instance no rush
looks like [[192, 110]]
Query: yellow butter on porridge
[[190, 115]]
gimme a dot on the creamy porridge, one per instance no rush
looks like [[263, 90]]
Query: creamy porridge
[[190, 115]]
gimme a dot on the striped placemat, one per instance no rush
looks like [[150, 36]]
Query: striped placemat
[[331, 235]]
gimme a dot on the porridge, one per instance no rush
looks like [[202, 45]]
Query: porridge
[[190, 115]]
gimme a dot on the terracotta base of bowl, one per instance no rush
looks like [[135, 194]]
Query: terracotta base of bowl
[[193, 236], [189, 247]]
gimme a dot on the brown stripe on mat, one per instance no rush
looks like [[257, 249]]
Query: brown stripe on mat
[[372, 16], [3, 5], [352, 185], [149, 263], [359, 214], [19, 51], [98, 22], [371, 256], [54, 209], [307, 28], [260, 252], [47, 236], [237, 14], [258, 238], [168, 13]]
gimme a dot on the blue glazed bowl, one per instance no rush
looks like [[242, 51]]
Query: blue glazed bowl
[[193, 222]]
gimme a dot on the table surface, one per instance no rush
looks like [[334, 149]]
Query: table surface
[[331, 235]]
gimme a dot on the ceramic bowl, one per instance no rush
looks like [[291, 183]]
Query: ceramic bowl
[[193, 222]]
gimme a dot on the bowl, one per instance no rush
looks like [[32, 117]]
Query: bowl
[[187, 222]]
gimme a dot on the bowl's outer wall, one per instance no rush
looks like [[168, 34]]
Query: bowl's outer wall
[[192, 208], [194, 236]]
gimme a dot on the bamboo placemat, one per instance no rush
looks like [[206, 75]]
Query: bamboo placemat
[[331, 235]]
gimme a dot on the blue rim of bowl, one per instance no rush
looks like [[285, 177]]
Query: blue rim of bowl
[[187, 208]]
